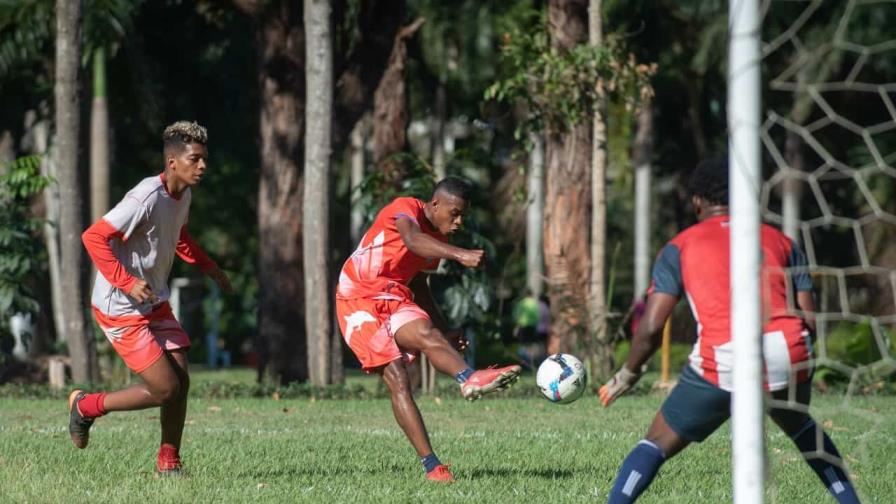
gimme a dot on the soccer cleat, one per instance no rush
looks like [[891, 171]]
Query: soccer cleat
[[440, 474], [168, 462], [78, 425], [169, 467], [489, 380]]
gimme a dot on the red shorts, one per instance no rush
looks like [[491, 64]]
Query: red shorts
[[141, 339], [369, 326]]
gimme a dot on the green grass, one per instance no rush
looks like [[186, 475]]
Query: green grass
[[501, 450]]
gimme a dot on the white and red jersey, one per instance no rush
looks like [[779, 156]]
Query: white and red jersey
[[138, 239], [696, 264]]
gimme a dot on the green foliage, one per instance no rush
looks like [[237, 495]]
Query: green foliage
[[25, 32], [849, 345], [560, 88], [20, 248]]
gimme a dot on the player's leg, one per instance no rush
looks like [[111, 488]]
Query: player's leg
[[644, 461], [816, 446], [694, 409], [172, 416], [160, 386], [419, 335], [395, 375]]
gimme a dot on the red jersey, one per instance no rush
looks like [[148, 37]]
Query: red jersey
[[697, 263], [382, 262]]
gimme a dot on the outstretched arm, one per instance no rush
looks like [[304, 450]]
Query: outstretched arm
[[645, 341], [424, 245]]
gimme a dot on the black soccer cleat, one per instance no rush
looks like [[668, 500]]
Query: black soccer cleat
[[78, 425]]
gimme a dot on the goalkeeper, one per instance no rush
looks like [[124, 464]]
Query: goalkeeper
[[696, 264]]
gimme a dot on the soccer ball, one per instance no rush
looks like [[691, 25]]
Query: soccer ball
[[561, 378]]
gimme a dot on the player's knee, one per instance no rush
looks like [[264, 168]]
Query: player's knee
[[433, 338], [397, 380], [167, 393]]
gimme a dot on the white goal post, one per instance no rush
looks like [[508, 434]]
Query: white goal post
[[744, 160]]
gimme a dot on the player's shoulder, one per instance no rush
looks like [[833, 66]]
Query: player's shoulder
[[147, 190], [406, 202]]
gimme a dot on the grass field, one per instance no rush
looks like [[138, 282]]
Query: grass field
[[501, 450]]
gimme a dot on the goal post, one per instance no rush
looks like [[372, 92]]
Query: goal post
[[745, 174]]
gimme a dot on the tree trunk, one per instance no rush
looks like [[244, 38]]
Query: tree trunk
[[316, 202], [568, 198], [73, 266], [281, 321], [535, 218], [642, 153], [438, 133], [601, 354], [361, 71], [99, 140], [357, 177], [390, 116], [39, 140]]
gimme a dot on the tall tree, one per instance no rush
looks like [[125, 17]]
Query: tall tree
[[281, 81], [535, 217], [568, 196], [642, 153], [316, 204], [601, 352], [99, 139], [73, 266]]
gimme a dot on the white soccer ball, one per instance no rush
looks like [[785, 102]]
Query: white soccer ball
[[562, 378]]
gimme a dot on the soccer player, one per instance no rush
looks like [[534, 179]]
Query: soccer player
[[387, 314], [696, 264], [133, 247]]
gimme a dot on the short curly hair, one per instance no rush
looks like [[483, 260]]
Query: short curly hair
[[709, 180], [180, 134]]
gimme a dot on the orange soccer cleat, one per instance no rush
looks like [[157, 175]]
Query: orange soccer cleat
[[489, 380], [440, 474]]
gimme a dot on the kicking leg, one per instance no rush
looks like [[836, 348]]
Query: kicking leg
[[395, 375], [420, 335]]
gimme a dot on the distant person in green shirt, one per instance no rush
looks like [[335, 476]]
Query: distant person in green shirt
[[531, 318]]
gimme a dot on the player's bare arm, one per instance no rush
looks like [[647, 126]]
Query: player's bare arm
[[424, 245], [645, 341]]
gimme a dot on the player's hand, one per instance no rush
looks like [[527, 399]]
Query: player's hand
[[457, 339], [471, 258], [222, 280], [618, 385], [141, 292]]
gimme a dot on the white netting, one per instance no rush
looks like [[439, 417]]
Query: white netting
[[830, 141]]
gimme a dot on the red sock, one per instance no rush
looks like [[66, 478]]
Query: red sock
[[91, 406], [168, 452]]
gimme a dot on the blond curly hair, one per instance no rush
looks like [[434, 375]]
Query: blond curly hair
[[185, 132]]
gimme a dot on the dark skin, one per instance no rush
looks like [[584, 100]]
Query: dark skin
[[433, 338], [166, 381], [648, 338]]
